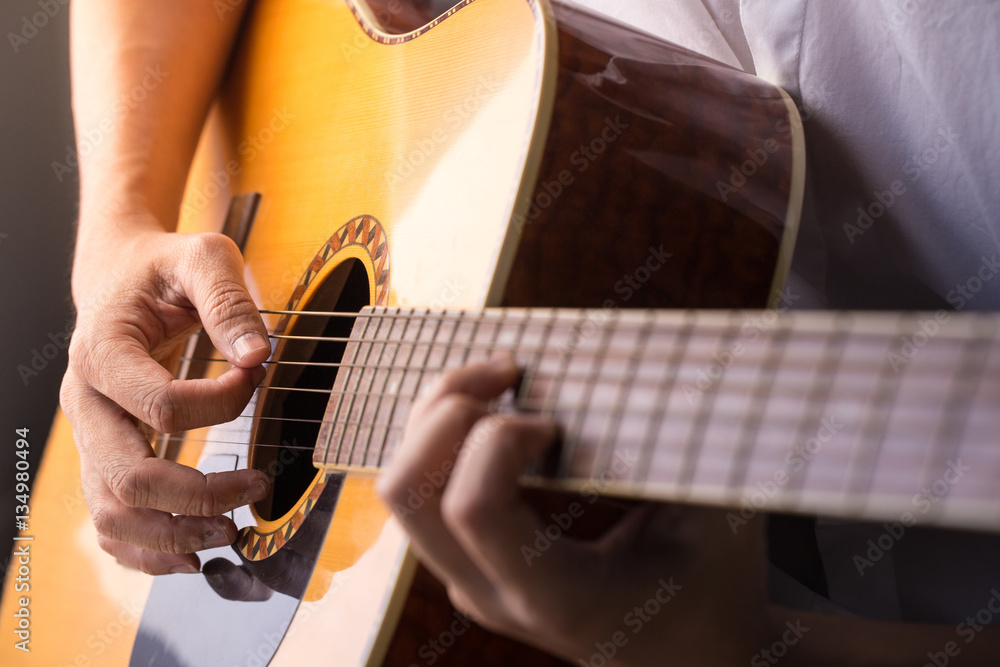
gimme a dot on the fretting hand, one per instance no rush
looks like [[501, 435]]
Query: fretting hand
[[699, 589]]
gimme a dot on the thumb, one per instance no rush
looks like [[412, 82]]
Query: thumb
[[228, 313]]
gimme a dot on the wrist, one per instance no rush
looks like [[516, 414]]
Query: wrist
[[105, 245]]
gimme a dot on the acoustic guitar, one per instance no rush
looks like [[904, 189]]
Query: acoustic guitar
[[415, 192]]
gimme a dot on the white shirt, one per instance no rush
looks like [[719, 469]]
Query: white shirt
[[903, 92], [901, 103]]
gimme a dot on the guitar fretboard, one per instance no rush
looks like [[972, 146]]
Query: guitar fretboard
[[875, 416]]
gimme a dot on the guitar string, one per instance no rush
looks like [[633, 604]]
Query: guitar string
[[708, 456], [526, 403], [859, 368], [789, 419], [628, 325], [450, 345], [569, 315], [801, 335]]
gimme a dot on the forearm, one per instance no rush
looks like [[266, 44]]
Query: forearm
[[144, 75], [837, 641]]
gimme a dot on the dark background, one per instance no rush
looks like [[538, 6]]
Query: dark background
[[37, 217]]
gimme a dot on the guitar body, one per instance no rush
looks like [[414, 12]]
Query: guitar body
[[508, 153]]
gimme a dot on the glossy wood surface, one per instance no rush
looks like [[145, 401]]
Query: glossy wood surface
[[391, 131], [645, 139]]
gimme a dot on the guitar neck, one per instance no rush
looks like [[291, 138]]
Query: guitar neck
[[870, 416]]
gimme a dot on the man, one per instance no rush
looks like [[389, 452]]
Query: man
[[874, 98]]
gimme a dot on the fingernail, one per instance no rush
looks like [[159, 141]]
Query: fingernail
[[258, 374], [255, 493], [184, 569], [216, 538], [249, 343]]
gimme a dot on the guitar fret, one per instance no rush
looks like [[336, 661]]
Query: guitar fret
[[369, 344], [401, 389], [533, 362], [520, 325], [573, 433], [870, 440], [965, 382], [368, 374], [423, 368], [494, 340], [531, 367], [533, 370], [754, 415], [606, 445], [338, 429], [818, 399], [533, 337], [664, 391], [550, 400], [381, 370], [696, 436], [393, 393], [446, 331], [502, 338], [474, 324]]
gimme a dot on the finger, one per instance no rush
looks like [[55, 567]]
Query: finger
[[114, 448], [150, 562], [462, 393], [413, 485], [483, 381], [484, 510], [499, 533], [120, 367], [436, 430], [151, 530], [219, 294]]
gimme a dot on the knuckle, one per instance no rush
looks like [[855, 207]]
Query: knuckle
[[69, 396], [449, 384], [228, 298], [485, 431], [89, 356], [123, 480], [509, 431], [460, 405], [104, 521], [165, 539], [203, 501], [160, 411], [468, 514], [212, 248]]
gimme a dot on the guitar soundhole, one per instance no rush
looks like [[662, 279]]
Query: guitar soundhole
[[290, 416]]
